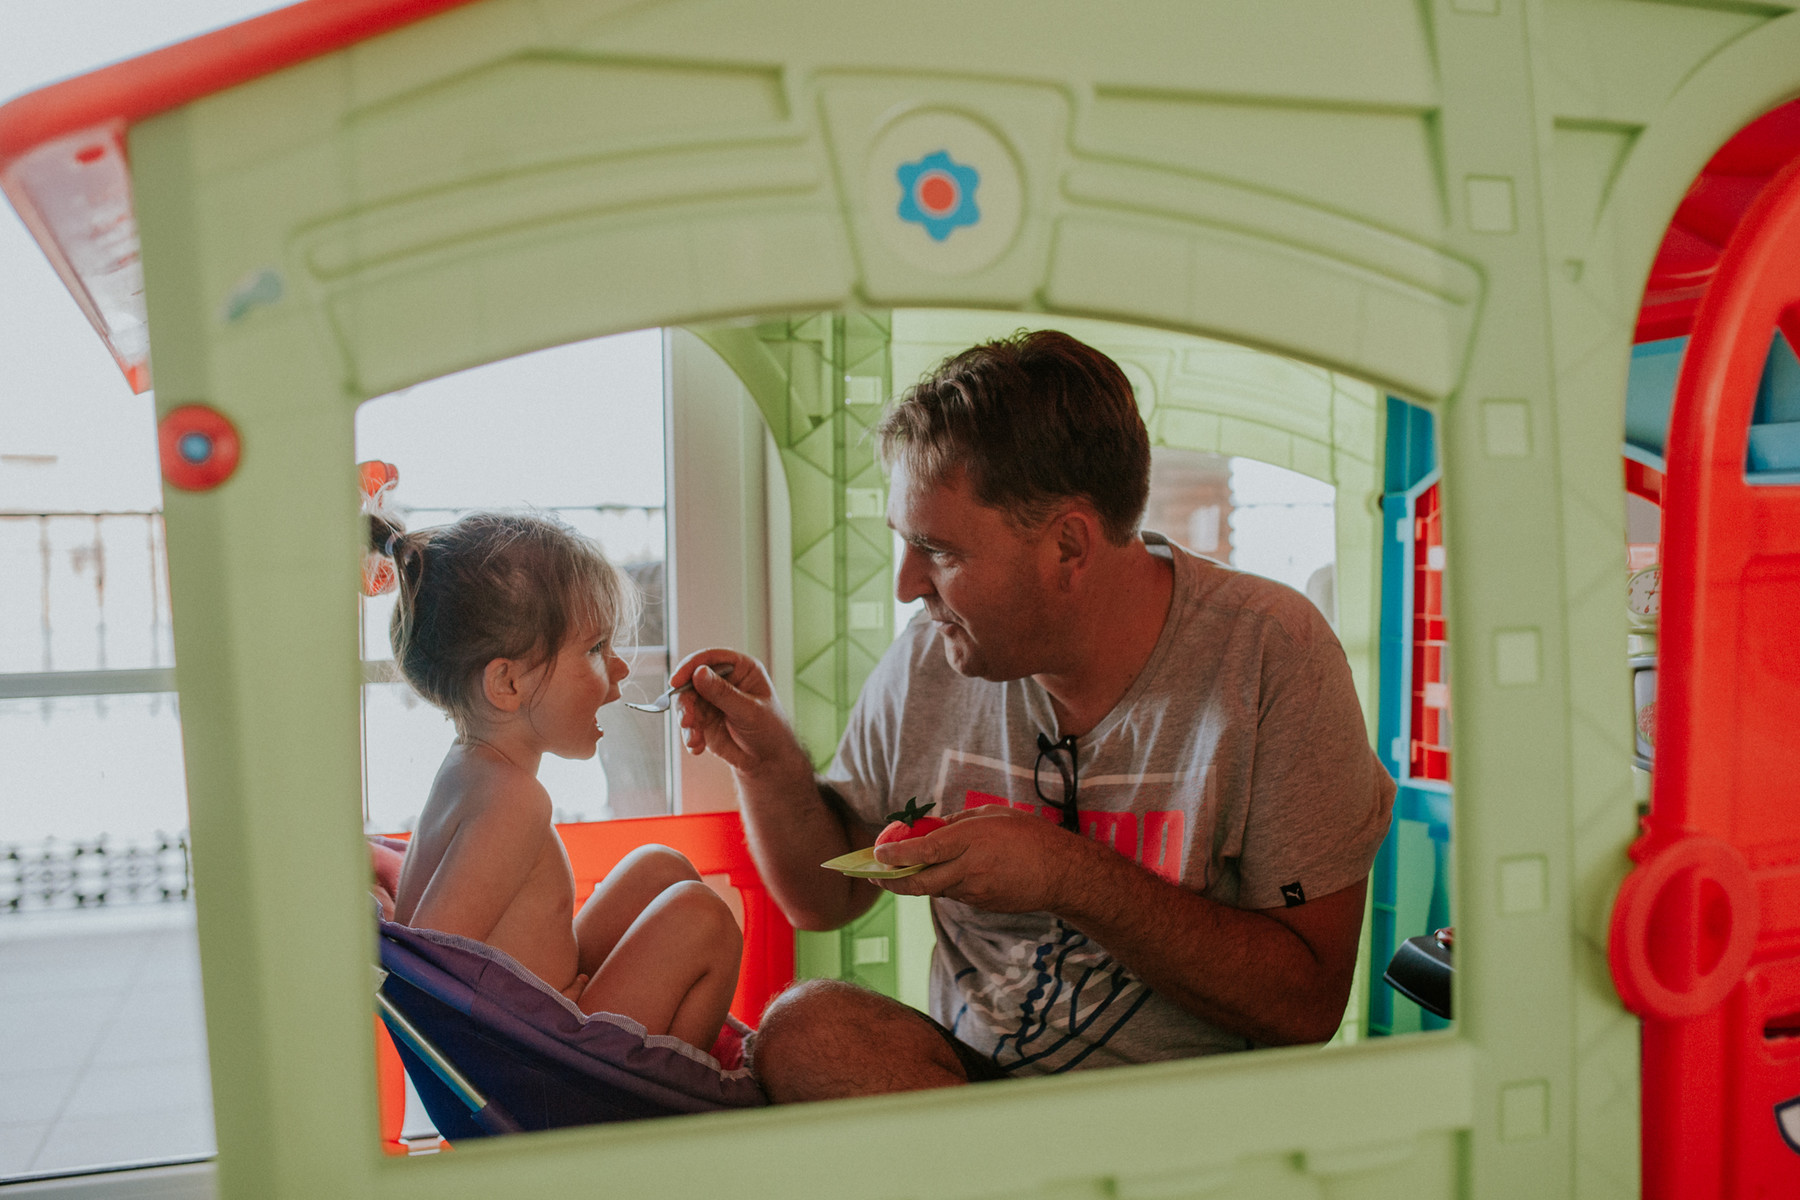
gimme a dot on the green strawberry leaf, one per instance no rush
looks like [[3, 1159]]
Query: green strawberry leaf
[[911, 813]]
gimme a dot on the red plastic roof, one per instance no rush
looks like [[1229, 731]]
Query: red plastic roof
[[62, 164], [1707, 217], [62, 148]]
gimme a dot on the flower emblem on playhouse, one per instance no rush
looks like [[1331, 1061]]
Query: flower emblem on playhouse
[[939, 193]]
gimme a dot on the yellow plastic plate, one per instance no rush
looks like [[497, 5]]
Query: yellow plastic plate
[[864, 865]]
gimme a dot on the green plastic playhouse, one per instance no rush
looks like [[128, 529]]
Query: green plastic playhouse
[[1453, 203]]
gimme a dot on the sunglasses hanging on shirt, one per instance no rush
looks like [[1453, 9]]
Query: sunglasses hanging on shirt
[[1060, 754]]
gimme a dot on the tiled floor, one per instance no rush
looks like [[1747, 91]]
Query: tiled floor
[[102, 1041]]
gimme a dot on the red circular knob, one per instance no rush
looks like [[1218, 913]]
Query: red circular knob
[[199, 447], [1683, 929]]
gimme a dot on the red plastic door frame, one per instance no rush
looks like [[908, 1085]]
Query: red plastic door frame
[[1705, 939]]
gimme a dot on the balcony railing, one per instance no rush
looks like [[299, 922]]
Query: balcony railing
[[94, 874], [83, 592], [85, 616], [84, 612]]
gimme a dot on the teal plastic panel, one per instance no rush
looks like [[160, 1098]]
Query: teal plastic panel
[[1774, 451], [1410, 884], [1778, 395], [1774, 455], [1774, 448], [1650, 394]]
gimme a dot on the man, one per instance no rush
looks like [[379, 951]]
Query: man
[[1190, 732]]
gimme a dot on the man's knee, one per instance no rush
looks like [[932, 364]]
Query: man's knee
[[824, 1039], [814, 1011]]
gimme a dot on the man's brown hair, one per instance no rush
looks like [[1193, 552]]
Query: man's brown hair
[[1032, 420]]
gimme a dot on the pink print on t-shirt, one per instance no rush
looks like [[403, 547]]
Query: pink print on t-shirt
[[1159, 849]]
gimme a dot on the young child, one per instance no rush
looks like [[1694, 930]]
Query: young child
[[506, 622]]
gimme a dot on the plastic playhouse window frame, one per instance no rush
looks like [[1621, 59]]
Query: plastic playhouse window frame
[[289, 1121], [1529, 414], [1424, 1077]]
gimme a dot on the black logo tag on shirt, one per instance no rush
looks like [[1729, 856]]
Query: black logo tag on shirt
[[1293, 893]]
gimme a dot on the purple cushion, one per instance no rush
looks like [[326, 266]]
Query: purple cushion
[[532, 1051]]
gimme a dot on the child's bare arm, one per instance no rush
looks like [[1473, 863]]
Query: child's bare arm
[[487, 861]]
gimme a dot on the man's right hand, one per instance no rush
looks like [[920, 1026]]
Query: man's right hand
[[788, 824], [739, 720]]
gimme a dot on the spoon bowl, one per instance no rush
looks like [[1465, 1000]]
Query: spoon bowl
[[662, 702]]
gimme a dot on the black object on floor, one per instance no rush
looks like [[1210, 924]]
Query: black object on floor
[[1420, 970]]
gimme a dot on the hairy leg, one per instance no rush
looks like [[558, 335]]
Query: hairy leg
[[675, 968], [627, 890], [824, 1039]]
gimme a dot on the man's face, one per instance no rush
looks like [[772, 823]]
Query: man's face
[[988, 585]]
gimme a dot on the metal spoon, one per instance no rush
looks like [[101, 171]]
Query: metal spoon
[[662, 702]]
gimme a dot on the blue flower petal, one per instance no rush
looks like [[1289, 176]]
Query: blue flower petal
[[966, 179]]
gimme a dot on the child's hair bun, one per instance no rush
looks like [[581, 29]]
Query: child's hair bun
[[388, 547], [387, 532]]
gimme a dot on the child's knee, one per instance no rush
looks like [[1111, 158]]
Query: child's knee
[[703, 910], [660, 865]]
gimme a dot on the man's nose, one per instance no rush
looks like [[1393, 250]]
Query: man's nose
[[911, 581]]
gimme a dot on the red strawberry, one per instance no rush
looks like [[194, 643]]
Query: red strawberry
[[909, 822]]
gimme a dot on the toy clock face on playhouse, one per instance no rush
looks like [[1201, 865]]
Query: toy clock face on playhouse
[[1643, 594]]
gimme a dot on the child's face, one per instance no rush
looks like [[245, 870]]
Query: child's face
[[585, 675]]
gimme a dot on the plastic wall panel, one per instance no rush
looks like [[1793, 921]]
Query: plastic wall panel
[[801, 372], [1497, 266], [1664, 115], [819, 381]]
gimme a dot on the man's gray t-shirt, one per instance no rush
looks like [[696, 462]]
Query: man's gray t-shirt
[[1237, 765]]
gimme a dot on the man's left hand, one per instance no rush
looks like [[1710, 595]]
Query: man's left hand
[[1278, 975], [993, 858]]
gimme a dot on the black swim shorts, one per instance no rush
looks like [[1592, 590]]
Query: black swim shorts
[[976, 1065]]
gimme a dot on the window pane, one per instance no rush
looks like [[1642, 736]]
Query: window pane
[[1190, 500], [578, 431], [1283, 526], [56, 785], [1255, 516], [102, 1040], [83, 592]]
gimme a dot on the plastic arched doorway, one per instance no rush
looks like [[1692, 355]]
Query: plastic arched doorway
[[1705, 938]]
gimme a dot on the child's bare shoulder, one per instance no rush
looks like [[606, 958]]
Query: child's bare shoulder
[[480, 839], [484, 788]]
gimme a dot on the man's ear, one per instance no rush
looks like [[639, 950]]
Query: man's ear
[[501, 682], [1077, 533]]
